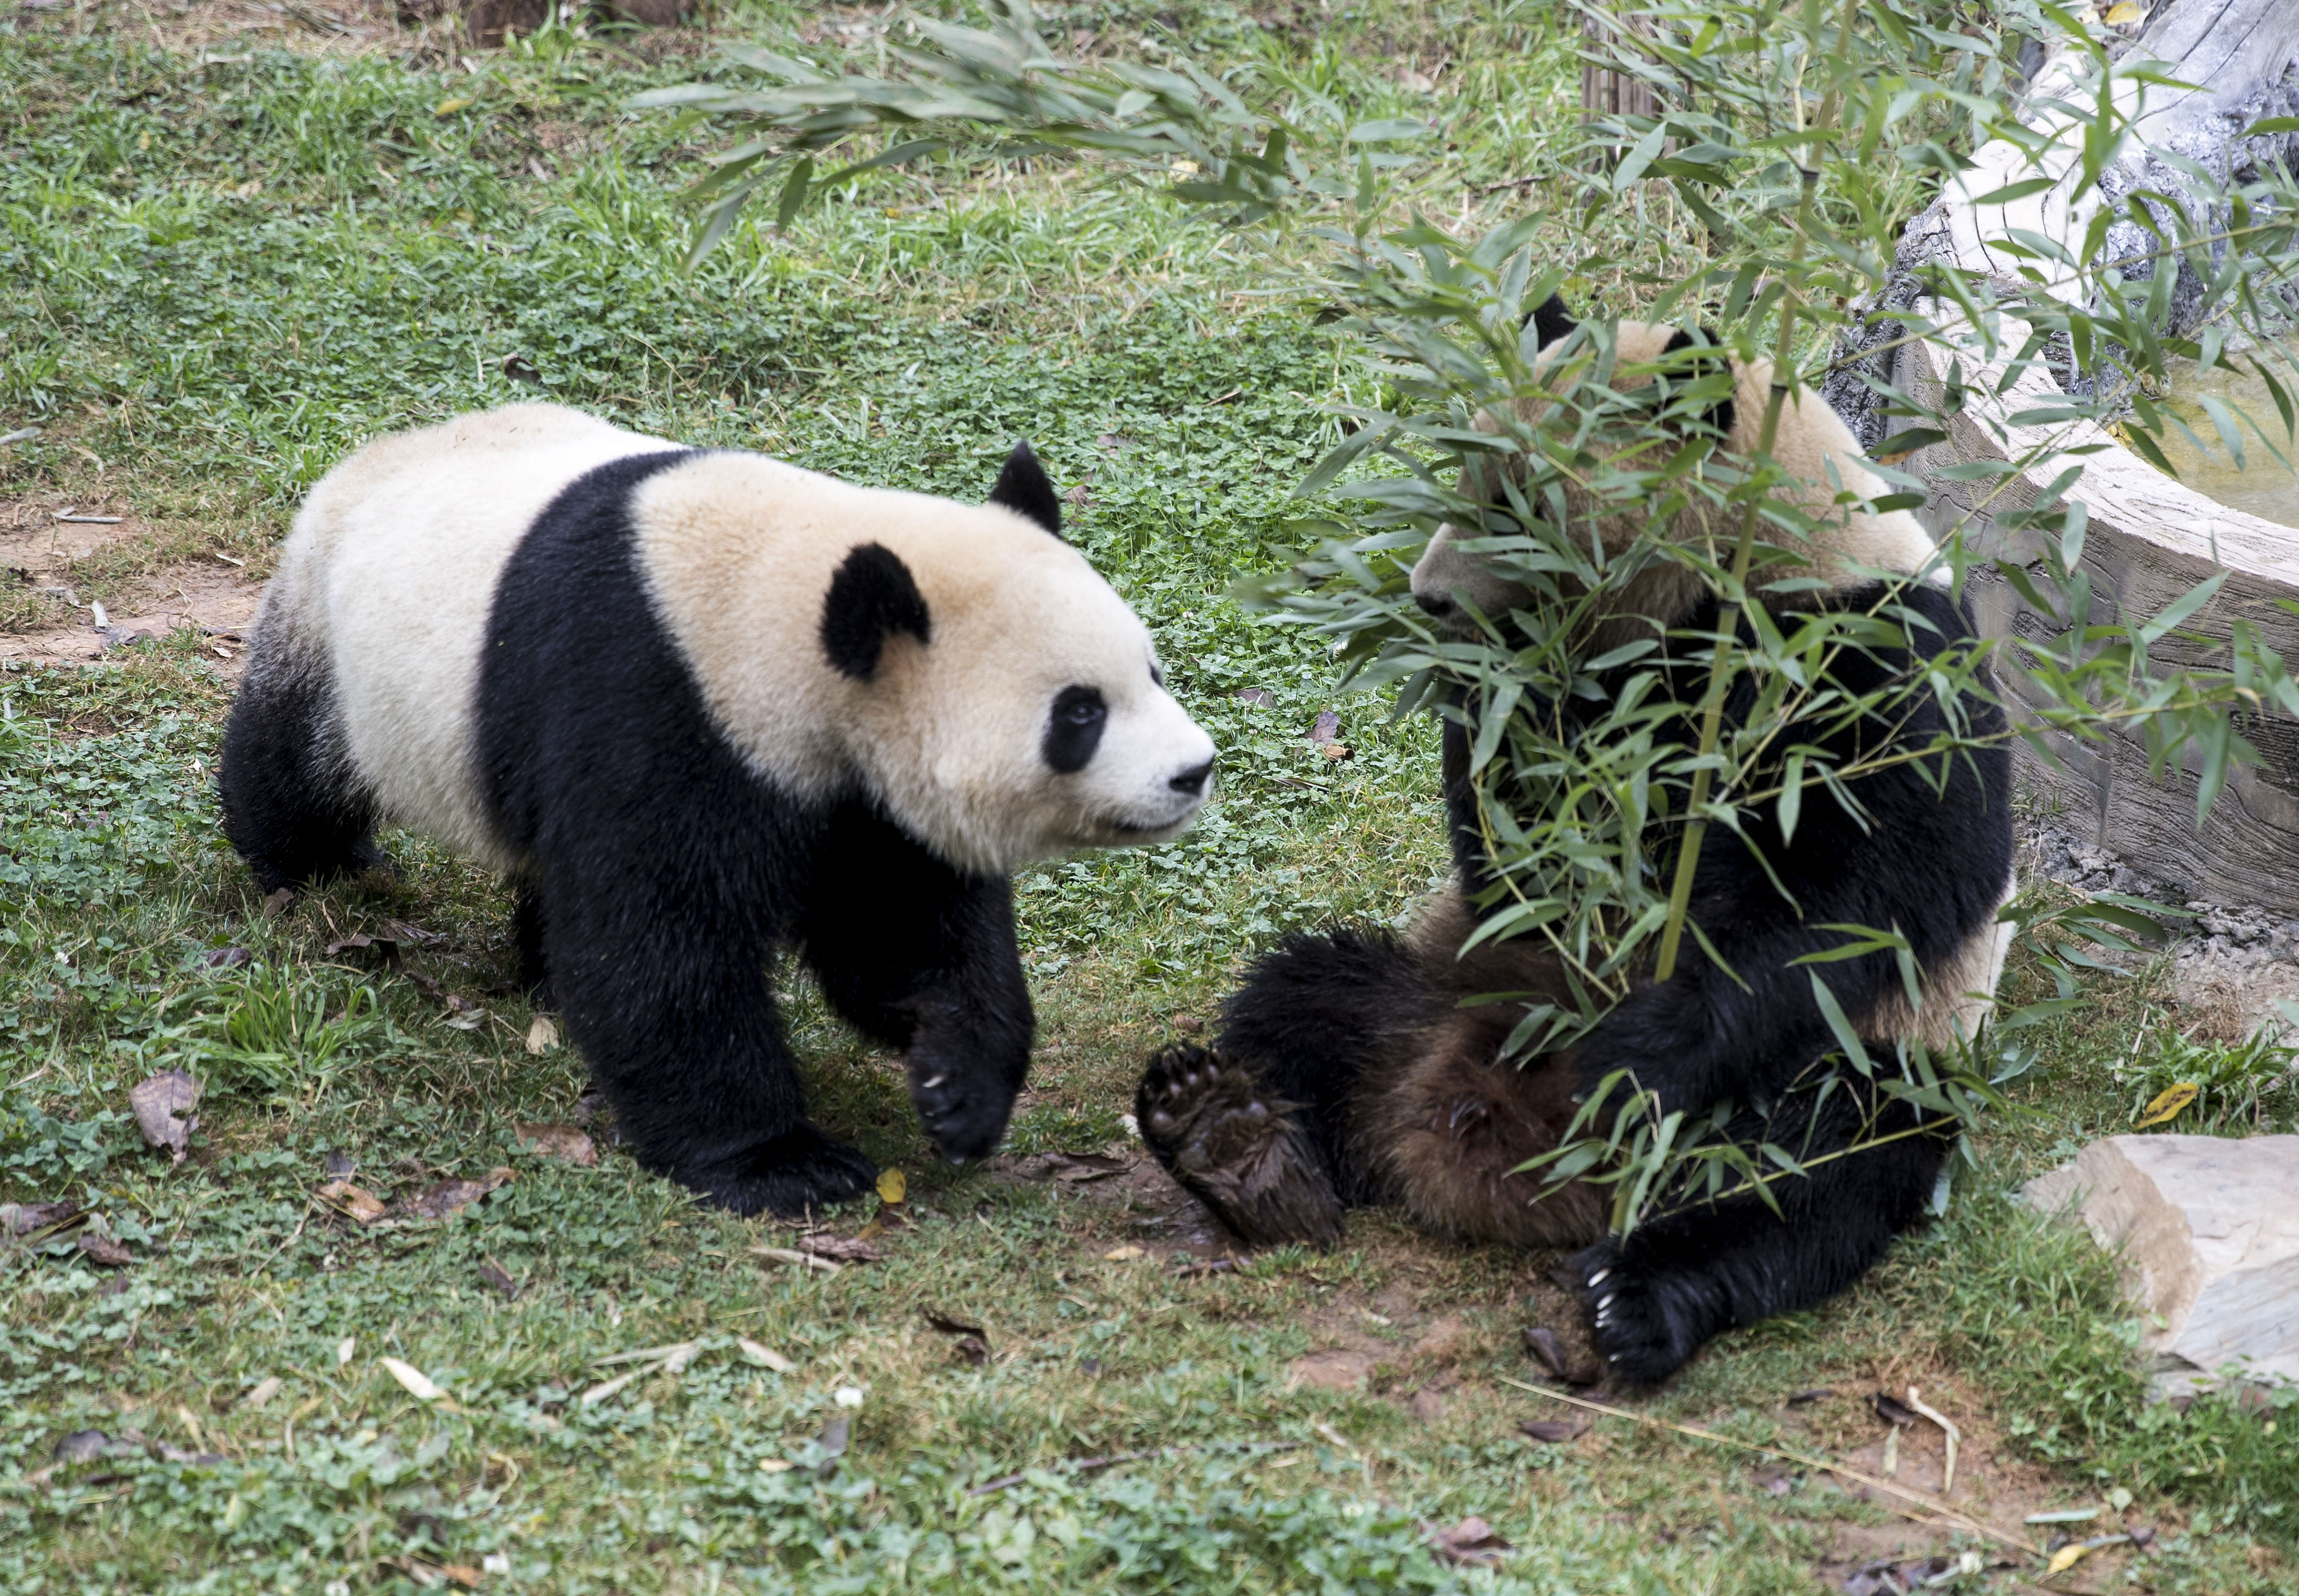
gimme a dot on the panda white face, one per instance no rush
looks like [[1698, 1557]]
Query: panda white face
[[1031, 719], [960, 664], [1846, 547]]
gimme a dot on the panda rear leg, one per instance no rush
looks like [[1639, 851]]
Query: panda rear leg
[[1238, 1148], [1676, 1281], [526, 938], [292, 807]]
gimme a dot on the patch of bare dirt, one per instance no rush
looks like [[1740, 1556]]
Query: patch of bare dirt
[[45, 615], [1995, 1485], [214, 32]]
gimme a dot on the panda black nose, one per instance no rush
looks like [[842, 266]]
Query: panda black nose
[[1192, 781], [1437, 605]]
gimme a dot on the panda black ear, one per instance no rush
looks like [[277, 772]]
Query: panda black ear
[[1721, 414], [872, 595], [1550, 321], [1023, 488]]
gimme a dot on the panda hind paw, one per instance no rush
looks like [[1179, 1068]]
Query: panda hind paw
[[800, 1171], [1641, 1336], [1236, 1148]]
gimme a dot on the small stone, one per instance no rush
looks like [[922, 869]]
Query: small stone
[[2208, 1230]]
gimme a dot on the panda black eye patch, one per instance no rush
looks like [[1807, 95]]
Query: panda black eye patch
[[1073, 729]]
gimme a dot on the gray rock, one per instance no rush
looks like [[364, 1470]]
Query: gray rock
[[2207, 1229]]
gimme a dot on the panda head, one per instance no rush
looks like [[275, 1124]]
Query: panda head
[[1003, 702], [1450, 582]]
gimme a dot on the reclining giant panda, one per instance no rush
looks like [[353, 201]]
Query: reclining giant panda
[[698, 704], [1346, 1071]]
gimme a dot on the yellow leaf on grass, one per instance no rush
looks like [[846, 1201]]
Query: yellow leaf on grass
[[2067, 1557], [417, 1383], [1124, 1254], [2166, 1104], [542, 1036], [891, 1187], [2124, 11], [449, 107]]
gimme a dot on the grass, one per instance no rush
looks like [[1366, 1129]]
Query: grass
[[225, 273]]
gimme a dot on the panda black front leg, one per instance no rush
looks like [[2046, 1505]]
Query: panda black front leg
[[664, 984], [1685, 1276], [920, 955]]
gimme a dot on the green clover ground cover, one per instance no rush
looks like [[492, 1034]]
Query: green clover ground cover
[[223, 274]]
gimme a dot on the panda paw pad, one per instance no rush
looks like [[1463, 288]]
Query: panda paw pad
[[1236, 1148]]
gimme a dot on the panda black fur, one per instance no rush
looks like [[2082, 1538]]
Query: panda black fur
[[1346, 1071], [697, 706]]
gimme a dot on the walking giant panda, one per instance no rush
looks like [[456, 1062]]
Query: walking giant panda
[[1347, 1070], [697, 705]]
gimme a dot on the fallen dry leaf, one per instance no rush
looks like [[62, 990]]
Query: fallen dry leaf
[[104, 1250], [2166, 1106], [265, 1390], [972, 1341], [279, 902], [542, 1034], [163, 1104], [1798, 1399], [449, 1197], [227, 958], [413, 1380], [495, 1278], [385, 948], [352, 1202], [1188, 1024], [562, 1141], [1471, 1543], [845, 1249], [891, 1186], [81, 1446], [1891, 1410], [1328, 727], [1547, 1350], [766, 1355], [23, 1218], [1260, 698], [431, 1575], [805, 1260], [833, 1440], [1125, 1255], [1555, 1431]]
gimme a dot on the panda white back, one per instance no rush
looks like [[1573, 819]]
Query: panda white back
[[391, 569]]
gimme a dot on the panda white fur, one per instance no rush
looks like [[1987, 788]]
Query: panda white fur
[[699, 705], [1347, 1070]]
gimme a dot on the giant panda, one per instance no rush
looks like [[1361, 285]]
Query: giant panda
[[1352, 1069], [698, 704]]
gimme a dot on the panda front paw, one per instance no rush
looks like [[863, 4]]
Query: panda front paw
[[798, 1171], [1641, 1334], [964, 1115], [1238, 1150]]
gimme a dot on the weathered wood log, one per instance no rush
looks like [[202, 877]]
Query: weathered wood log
[[2150, 538]]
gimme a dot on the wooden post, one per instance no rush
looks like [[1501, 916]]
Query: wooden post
[[1605, 93]]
